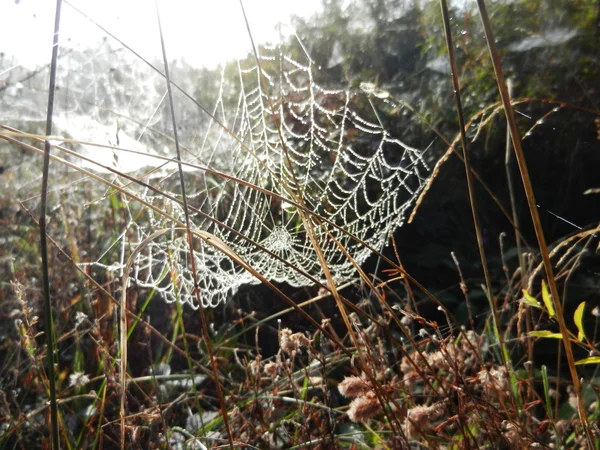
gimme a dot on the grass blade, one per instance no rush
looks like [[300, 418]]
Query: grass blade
[[520, 156], [49, 325]]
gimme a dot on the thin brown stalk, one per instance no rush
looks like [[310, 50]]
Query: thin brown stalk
[[520, 156], [96, 177], [204, 326], [203, 321], [182, 225], [463, 288], [392, 264], [108, 295], [511, 192], [467, 164], [309, 226]]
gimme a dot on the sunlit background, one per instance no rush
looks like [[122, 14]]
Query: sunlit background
[[203, 33]]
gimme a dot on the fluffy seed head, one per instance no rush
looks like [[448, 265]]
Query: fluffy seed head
[[364, 408], [271, 369], [418, 419], [353, 387], [291, 342]]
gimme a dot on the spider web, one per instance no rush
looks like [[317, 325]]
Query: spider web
[[274, 127]]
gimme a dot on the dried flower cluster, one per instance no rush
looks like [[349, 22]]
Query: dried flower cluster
[[419, 418], [365, 404], [291, 342]]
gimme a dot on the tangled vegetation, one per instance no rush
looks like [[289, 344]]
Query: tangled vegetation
[[475, 326]]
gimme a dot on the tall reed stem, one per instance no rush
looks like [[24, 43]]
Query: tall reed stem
[[539, 232], [469, 176], [188, 224], [48, 322]]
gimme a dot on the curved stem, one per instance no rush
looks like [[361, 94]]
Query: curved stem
[[539, 232]]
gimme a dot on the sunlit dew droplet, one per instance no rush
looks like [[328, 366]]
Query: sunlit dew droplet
[[56, 140]]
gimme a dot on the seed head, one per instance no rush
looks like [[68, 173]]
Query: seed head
[[353, 387], [78, 379], [364, 408]]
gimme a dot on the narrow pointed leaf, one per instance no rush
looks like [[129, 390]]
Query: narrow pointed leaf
[[529, 300], [578, 318], [590, 360], [545, 334], [547, 300], [546, 384]]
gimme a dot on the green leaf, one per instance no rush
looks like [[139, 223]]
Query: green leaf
[[590, 360], [549, 409], [545, 334], [547, 300], [528, 299], [578, 318]]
